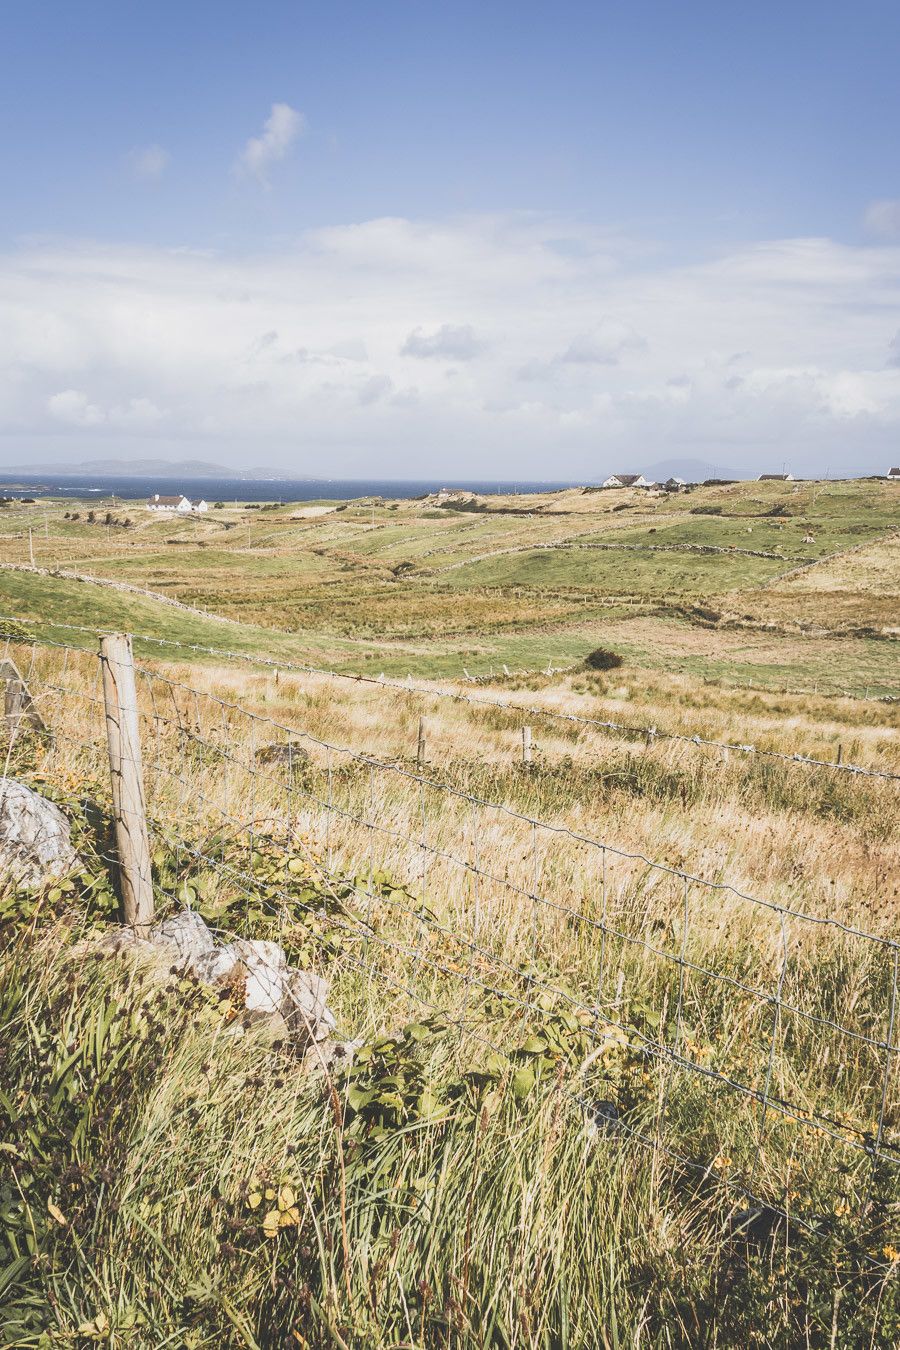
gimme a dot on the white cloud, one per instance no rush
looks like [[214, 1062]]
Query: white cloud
[[72, 406], [604, 345], [147, 162], [883, 218], [449, 343], [138, 413], [304, 355], [281, 129], [375, 388]]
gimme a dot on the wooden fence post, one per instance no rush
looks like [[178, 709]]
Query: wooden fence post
[[526, 745], [420, 749], [18, 705], [124, 741]]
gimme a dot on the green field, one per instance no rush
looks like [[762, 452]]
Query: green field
[[431, 589]]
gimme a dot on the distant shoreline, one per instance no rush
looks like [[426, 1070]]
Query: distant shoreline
[[133, 488]]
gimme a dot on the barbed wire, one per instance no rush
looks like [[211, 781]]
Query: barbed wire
[[373, 762], [650, 734], [400, 929]]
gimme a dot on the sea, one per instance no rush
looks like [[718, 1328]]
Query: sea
[[211, 489]]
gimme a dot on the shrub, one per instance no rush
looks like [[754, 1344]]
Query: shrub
[[603, 659]]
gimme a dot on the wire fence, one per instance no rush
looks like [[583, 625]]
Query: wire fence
[[761, 1039], [628, 730]]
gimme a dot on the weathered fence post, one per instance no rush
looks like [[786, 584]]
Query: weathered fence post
[[124, 742], [18, 705], [420, 749], [526, 745]]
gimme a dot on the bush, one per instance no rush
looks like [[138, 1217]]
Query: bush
[[603, 659]]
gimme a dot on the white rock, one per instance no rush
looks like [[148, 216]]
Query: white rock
[[265, 978], [305, 1009], [185, 935], [35, 840], [256, 969], [216, 966]]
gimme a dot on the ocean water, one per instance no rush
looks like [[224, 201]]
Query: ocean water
[[251, 490]]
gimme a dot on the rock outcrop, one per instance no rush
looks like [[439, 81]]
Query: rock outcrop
[[255, 971], [35, 840]]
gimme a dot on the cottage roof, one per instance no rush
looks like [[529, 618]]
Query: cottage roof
[[157, 500]]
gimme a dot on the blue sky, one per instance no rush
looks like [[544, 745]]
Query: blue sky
[[522, 237]]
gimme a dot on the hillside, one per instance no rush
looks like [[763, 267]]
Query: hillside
[[722, 580]]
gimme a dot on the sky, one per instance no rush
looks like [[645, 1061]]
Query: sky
[[521, 240]]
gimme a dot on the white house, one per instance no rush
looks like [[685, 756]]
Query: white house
[[673, 484], [183, 505], [776, 478], [894, 473], [622, 480]]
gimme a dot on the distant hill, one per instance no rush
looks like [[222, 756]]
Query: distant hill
[[143, 468]]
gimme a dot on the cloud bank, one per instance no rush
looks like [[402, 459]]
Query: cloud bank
[[507, 345]]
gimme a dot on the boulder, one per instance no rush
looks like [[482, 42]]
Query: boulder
[[265, 974], [35, 839], [305, 1009], [255, 970], [186, 936]]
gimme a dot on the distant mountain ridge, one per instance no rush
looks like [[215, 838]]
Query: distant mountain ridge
[[146, 468]]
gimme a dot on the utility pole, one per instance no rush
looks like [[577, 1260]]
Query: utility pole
[[31, 545]]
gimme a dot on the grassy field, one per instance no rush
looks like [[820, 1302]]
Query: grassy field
[[524, 582], [625, 1018]]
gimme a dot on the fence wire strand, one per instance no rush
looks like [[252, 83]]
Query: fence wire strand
[[207, 756], [649, 734]]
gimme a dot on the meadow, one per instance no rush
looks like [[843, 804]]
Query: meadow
[[439, 586], [625, 1015]]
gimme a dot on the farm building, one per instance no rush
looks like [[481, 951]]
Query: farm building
[[776, 478], [893, 473], [183, 505], [623, 480]]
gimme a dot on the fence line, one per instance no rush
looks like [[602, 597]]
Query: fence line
[[648, 733], [479, 884]]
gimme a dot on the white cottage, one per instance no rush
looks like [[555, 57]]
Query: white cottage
[[185, 506], [623, 480]]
